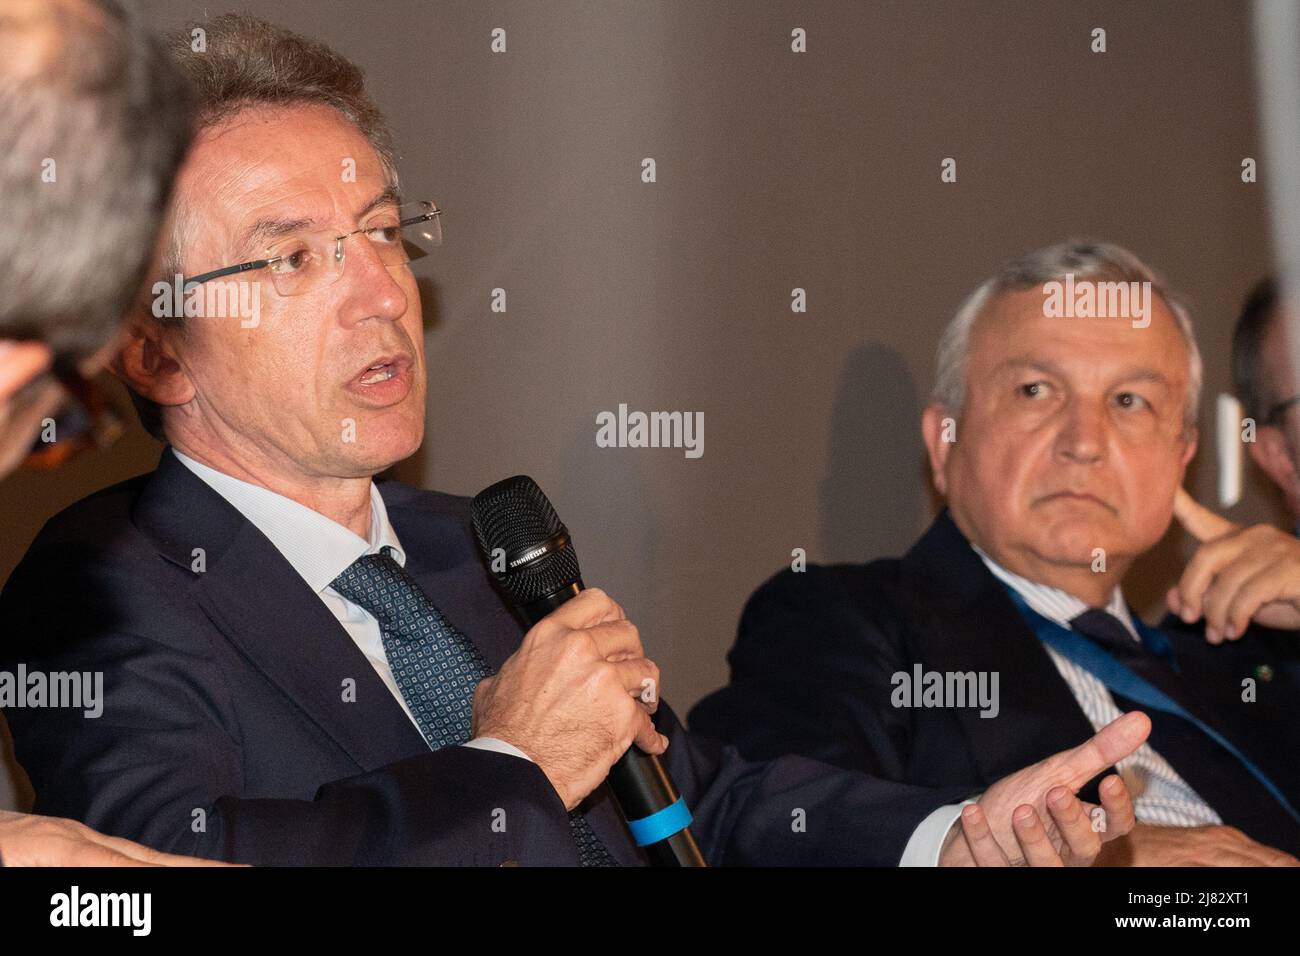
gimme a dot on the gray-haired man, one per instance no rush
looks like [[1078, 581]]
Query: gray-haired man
[[1061, 425]]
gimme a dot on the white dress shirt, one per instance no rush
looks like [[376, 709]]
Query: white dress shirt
[[1160, 796], [321, 549]]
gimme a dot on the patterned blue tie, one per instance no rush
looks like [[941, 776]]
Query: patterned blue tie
[[436, 666]]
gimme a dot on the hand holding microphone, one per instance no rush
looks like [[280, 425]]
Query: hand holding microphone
[[575, 688], [570, 697]]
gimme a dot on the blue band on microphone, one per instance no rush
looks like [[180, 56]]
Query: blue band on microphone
[[661, 824]]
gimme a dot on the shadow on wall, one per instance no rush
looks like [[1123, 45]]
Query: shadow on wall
[[872, 498]]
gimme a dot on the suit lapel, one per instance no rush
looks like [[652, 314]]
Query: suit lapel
[[264, 608], [961, 620], [1262, 727]]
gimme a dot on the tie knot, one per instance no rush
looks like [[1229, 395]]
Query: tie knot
[[372, 582], [1105, 629]]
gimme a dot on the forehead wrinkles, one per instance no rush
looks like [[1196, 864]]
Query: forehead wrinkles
[[253, 161], [1014, 326], [302, 197]]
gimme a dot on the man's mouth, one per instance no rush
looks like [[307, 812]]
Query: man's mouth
[[385, 381], [383, 367], [378, 373], [1079, 496]]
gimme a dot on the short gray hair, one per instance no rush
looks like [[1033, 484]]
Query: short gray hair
[[1085, 260], [89, 95]]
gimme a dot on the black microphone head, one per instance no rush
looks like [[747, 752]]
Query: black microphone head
[[526, 545]]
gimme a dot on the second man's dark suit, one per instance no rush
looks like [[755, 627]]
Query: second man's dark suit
[[812, 673]]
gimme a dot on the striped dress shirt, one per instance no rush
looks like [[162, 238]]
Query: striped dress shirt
[[1160, 796]]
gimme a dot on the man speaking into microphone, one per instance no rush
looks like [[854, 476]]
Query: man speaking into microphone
[[305, 666]]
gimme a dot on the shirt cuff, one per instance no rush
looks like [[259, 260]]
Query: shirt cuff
[[497, 745], [926, 843]]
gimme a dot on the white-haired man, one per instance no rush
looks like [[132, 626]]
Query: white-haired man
[[1062, 421]]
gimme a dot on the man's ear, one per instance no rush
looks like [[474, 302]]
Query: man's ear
[[147, 363], [939, 429], [1270, 451], [1193, 441]]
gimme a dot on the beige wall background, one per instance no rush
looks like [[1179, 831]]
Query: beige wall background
[[775, 170]]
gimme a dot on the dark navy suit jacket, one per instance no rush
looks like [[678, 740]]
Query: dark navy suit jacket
[[226, 733], [812, 669]]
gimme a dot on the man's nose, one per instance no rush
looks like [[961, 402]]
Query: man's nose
[[1082, 437], [370, 288]]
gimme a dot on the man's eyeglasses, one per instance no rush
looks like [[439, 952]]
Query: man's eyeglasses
[[298, 263], [301, 262]]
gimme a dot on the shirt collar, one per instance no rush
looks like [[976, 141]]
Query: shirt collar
[[318, 548], [1053, 603]]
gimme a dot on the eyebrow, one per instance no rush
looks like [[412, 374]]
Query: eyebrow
[[1145, 375], [270, 228], [1130, 374]]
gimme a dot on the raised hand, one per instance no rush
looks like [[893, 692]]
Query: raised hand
[[1237, 575], [1034, 818]]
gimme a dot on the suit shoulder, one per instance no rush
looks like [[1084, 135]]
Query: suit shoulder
[[435, 515], [399, 495], [823, 607], [88, 568], [99, 517], [819, 584]]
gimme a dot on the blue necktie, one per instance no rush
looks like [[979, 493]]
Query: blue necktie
[[1108, 652], [1183, 733], [436, 666]]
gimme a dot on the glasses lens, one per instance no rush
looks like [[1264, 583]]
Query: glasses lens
[[300, 263], [397, 235], [422, 224], [410, 231]]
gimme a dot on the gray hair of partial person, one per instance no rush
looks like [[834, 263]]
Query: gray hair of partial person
[[234, 62], [1089, 261], [95, 122]]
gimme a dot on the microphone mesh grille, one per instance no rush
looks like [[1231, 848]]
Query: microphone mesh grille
[[516, 516]]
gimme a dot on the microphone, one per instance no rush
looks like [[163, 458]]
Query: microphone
[[529, 551]]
